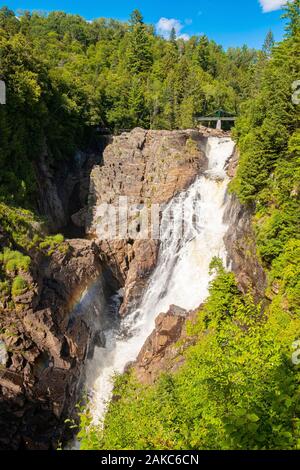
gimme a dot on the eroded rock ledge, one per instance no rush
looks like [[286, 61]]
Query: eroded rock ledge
[[161, 349]]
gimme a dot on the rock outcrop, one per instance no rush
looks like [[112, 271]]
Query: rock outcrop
[[240, 241], [164, 349], [159, 350], [148, 167], [241, 249], [45, 340]]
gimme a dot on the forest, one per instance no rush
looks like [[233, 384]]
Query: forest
[[66, 77], [66, 80]]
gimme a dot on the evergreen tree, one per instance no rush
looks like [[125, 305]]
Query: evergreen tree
[[203, 52], [173, 36], [292, 14], [136, 18], [268, 44], [139, 54]]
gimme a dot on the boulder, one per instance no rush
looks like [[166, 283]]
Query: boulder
[[158, 352]]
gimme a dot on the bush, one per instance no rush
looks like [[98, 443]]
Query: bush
[[4, 288], [14, 260], [50, 244], [19, 286]]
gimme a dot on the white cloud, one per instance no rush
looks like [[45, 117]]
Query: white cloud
[[165, 26], [272, 5], [184, 36]]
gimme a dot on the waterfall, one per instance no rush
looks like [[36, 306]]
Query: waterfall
[[181, 276]]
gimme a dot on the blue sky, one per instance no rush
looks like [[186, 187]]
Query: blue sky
[[228, 22]]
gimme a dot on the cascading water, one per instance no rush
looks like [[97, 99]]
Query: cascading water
[[182, 274]]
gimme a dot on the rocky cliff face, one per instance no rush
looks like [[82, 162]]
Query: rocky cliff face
[[148, 167], [240, 242], [44, 343], [162, 350], [241, 249], [63, 187]]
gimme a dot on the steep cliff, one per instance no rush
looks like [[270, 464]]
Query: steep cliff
[[63, 186], [240, 241], [46, 335]]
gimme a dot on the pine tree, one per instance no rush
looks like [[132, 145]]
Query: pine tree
[[139, 54], [136, 18], [173, 36], [268, 44], [203, 52], [292, 14]]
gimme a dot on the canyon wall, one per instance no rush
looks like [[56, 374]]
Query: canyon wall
[[148, 167], [45, 342]]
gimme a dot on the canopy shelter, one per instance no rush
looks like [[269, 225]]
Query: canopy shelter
[[218, 116]]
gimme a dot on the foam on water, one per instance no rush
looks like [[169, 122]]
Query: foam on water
[[182, 274]]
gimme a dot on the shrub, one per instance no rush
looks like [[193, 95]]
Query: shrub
[[19, 286], [4, 288], [51, 243], [14, 260]]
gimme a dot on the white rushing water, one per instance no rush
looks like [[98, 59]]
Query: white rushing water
[[182, 274]]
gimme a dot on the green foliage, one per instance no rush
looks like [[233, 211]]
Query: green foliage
[[269, 141], [139, 54], [66, 76], [285, 277], [14, 260], [19, 286], [23, 236], [4, 288], [268, 44], [20, 225], [237, 389], [51, 243], [292, 14]]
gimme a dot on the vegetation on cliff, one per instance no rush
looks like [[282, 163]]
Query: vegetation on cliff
[[268, 135], [238, 388], [22, 238], [239, 385]]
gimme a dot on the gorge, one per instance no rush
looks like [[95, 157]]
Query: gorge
[[81, 335], [149, 266]]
